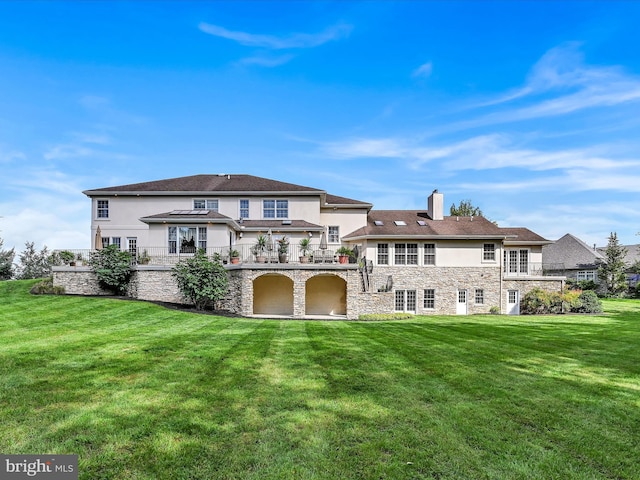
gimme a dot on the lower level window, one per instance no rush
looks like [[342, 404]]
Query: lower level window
[[430, 298], [405, 300], [479, 296]]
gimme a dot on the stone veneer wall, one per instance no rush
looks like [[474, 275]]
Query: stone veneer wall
[[549, 284], [446, 281], [155, 283], [78, 281]]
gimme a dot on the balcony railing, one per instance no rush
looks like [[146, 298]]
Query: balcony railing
[[246, 254], [535, 269]]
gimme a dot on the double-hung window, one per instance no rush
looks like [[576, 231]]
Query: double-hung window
[[430, 298], [383, 254], [489, 252], [334, 234], [244, 208], [429, 253], [275, 208], [103, 209], [479, 299], [406, 254]]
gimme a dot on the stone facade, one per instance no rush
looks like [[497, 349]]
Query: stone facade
[[78, 281], [446, 281], [155, 283]]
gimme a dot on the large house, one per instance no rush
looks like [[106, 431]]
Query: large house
[[580, 261], [404, 260]]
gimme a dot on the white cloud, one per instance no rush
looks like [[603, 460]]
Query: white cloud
[[266, 61], [567, 85], [366, 147], [423, 70], [11, 155], [273, 42]]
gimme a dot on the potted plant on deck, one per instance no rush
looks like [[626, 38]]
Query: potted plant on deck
[[343, 254], [283, 249], [67, 257], [144, 259], [259, 249], [234, 255], [305, 247]]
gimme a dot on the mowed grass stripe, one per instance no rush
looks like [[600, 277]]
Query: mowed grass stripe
[[517, 397], [139, 391]]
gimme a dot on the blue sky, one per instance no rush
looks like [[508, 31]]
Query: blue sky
[[528, 109]]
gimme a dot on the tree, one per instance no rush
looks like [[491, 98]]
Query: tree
[[201, 280], [34, 264], [6, 262], [113, 268], [612, 272], [465, 209]]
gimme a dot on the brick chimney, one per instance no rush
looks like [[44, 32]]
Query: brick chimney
[[435, 205]]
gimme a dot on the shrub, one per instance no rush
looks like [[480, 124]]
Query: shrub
[[201, 280], [46, 287], [589, 303], [113, 268], [538, 302], [495, 310]]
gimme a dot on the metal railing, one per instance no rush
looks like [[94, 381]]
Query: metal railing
[[246, 253], [534, 269]]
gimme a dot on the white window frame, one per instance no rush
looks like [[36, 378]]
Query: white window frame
[[200, 239], [280, 208], [406, 299], [212, 204], [517, 262], [587, 275], [102, 211], [243, 210], [478, 298], [333, 235], [407, 257], [382, 254], [429, 300], [428, 255], [488, 255]]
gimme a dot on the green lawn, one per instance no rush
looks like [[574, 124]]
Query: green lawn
[[142, 392]]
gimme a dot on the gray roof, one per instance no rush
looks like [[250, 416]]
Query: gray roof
[[206, 184], [416, 223], [573, 253], [221, 184], [632, 256]]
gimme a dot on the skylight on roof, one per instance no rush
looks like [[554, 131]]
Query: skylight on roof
[[400, 223], [286, 222], [378, 223], [422, 223]]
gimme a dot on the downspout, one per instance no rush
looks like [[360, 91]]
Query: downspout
[[500, 273]]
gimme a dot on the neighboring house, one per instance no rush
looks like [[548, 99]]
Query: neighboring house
[[631, 259], [407, 260], [577, 260]]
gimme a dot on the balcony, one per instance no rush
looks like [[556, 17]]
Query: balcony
[[534, 269], [164, 256]]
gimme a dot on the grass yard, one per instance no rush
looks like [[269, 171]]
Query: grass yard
[[142, 392]]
